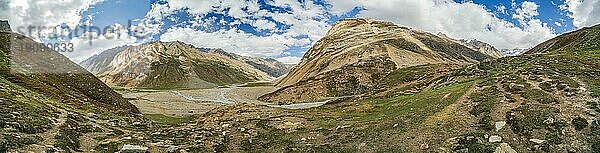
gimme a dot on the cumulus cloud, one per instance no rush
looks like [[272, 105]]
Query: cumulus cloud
[[234, 41], [501, 9], [48, 13], [305, 23], [583, 12], [527, 11], [457, 20]]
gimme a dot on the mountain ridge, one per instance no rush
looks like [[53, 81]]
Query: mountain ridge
[[370, 46], [178, 65]]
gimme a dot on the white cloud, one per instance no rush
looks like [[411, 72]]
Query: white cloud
[[264, 25], [583, 12], [558, 24], [85, 47], [52, 13], [527, 11], [457, 20], [303, 19], [501, 9], [234, 41], [289, 60], [49, 13]]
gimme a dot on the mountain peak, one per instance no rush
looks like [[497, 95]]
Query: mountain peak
[[355, 49], [365, 23], [5, 26]]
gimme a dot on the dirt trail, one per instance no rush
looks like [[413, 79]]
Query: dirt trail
[[48, 136], [453, 119]]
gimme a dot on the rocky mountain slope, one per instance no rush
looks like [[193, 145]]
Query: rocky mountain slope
[[41, 90], [178, 65], [582, 40], [35, 67], [357, 53]]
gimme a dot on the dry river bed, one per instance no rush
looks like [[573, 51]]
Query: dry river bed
[[200, 101]]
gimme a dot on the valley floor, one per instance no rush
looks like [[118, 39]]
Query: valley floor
[[195, 101]]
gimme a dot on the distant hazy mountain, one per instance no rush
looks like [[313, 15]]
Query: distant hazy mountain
[[483, 47], [178, 65], [513, 52], [357, 53], [477, 45]]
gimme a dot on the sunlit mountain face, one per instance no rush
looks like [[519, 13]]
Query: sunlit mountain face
[[299, 76], [284, 30]]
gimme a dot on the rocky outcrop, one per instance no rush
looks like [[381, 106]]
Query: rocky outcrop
[[354, 50], [168, 65], [5, 26], [483, 47]]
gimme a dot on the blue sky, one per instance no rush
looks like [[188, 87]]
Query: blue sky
[[286, 29], [549, 10]]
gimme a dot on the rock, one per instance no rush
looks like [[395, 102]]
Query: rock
[[172, 149], [424, 146], [495, 138], [225, 125], [134, 149], [5, 26], [504, 148], [538, 141], [500, 125]]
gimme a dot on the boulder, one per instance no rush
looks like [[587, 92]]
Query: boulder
[[495, 138], [500, 125], [134, 149], [504, 148]]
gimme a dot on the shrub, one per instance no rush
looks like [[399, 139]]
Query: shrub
[[579, 123]]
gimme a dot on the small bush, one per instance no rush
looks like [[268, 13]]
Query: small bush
[[539, 96], [579, 123], [546, 86]]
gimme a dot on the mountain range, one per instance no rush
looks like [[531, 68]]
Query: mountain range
[[380, 87], [169, 65], [545, 100], [358, 56]]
